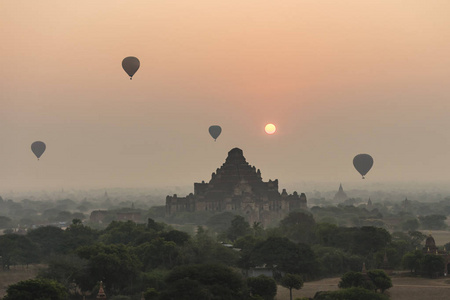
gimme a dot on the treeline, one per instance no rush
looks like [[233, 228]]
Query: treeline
[[406, 215], [133, 258], [349, 215], [28, 213]]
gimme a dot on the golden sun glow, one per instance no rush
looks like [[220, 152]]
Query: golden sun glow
[[270, 129]]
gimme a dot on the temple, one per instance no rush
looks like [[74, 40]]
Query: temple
[[101, 293], [340, 196], [238, 187], [431, 248]]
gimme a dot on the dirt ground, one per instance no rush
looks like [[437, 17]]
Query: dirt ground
[[404, 288], [16, 274]]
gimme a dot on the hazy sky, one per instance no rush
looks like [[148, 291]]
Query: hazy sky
[[337, 78]]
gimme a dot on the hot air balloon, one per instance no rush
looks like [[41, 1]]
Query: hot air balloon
[[363, 163], [215, 131], [38, 148], [130, 64]]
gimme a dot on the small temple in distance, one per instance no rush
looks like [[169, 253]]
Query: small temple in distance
[[340, 196], [101, 293], [238, 187]]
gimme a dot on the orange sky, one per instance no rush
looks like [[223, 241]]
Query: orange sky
[[338, 78]]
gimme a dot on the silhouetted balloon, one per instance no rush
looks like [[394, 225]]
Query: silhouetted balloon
[[215, 131], [38, 148], [130, 64], [363, 163]]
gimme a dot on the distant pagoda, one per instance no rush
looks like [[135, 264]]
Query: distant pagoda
[[369, 205], [238, 187], [340, 196]]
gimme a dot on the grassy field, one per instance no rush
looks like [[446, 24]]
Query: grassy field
[[405, 288]]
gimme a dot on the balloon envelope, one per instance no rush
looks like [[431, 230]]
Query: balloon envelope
[[38, 148], [130, 64], [215, 131], [363, 163]]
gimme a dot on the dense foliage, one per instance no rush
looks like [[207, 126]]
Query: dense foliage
[[36, 289], [263, 286], [373, 280], [205, 281], [151, 258]]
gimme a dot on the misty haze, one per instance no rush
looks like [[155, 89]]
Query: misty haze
[[224, 150]]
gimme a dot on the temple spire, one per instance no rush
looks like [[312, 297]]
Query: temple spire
[[101, 293], [340, 196]]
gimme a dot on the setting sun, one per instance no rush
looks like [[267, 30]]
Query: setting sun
[[270, 129]]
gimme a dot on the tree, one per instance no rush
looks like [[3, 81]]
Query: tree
[[203, 282], [157, 253], [116, 265], [355, 279], [412, 260], [325, 233], [292, 281], [51, 214], [263, 286], [410, 225], [122, 232], [447, 246], [299, 226], [380, 279], [246, 244], [16, 249], [433, 222], [62, 216], [153, 280], [281, 254], [239, 227], [332, 260], [401, 243], [77, 235], [220, 222], [374, 280], [432, 265], [150, 294], [151, 224], [49, 239], [67, 269], [205, 249], [342, 237], [369, 239], [76, 221], [36, 289], [258, 229], [176, 236], [417, 238]]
